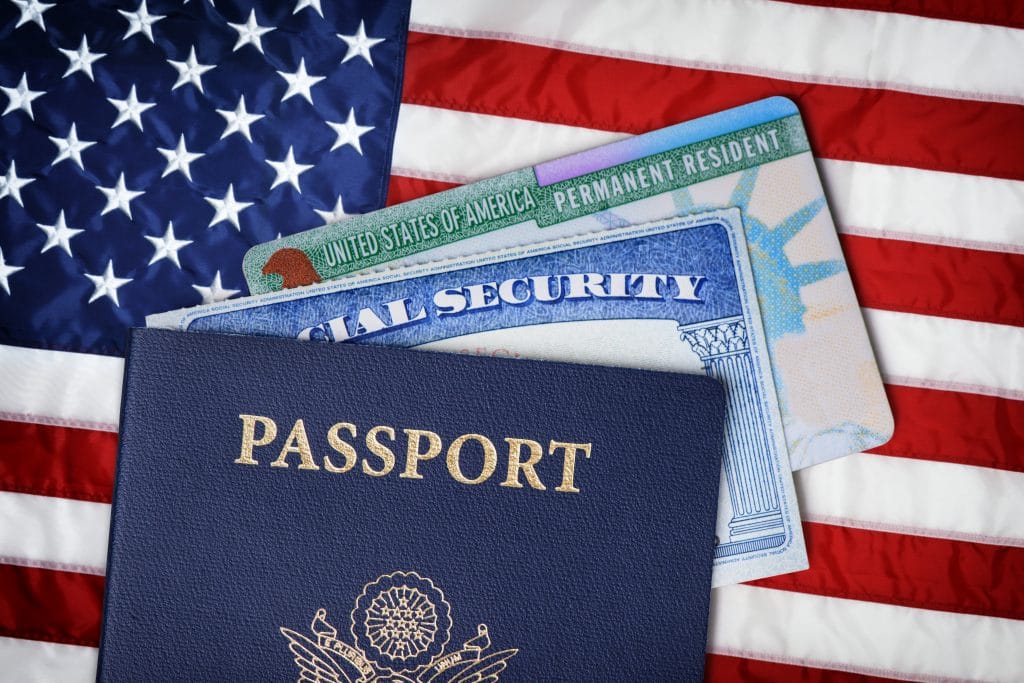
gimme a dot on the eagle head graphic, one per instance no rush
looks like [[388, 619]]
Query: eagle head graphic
[[293, 266]]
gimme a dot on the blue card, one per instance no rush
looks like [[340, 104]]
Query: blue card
[[344, 513], [676, 295]]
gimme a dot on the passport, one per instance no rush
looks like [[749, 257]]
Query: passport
[[329, 512]]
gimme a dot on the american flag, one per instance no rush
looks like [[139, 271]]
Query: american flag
[[915, 109]]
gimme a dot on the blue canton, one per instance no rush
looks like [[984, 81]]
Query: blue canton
[[145, 146]]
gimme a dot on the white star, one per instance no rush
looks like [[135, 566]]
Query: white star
[[20, 97], [81, 59], [227, 209], [167, 247], [70, 147], [349, 132], [130, 109], [300, 82], [118, 197], [239, 120], [141, 21], [58, 234], [6, 272], [215, 292], [288, 170], [359, 45], [11, 184], [190, 71], [107, 284], [179, 159], [32, 10], [250, 32], [333, 215], [315, 4]]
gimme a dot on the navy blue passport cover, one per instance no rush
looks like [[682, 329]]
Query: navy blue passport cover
[[225, 567]]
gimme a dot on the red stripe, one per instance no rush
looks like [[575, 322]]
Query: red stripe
[[998, 12], [949, 426], [65, 607], [912, 571], [403, 189], [45, 604], [858, 124], [57, 461], [725, 669], [930, 279]]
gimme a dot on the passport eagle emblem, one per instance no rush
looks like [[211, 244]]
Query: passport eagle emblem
[[400, 624]]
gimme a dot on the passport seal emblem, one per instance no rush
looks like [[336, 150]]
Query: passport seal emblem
[[401, 624]]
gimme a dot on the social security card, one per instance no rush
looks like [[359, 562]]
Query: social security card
[[755, 157], [676, 295]]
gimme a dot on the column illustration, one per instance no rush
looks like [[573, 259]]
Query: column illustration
[[756, 522]]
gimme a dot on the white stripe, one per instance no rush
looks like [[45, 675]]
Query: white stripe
[[976, 356], [865, 637], [58, 387], [823, 45], [53, 532], [32, 661], [750, 622], [920, 497], [953, 386], [872, 199], [461, 147], [870, 491], [925, 206], [84, 390]]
